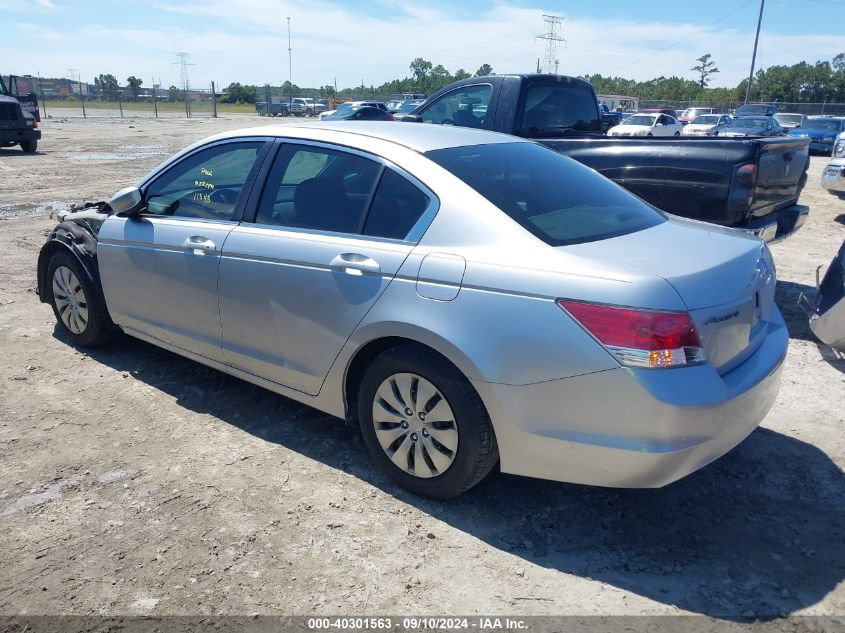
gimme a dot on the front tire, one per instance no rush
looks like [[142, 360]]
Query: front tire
[[424, 424], [78, 305]]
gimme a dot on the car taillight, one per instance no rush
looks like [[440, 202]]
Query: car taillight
[[640, 338], [747, 175]]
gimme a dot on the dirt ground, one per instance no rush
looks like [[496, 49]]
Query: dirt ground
[[133, 481]]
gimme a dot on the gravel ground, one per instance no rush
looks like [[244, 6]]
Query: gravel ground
[[133, 481]]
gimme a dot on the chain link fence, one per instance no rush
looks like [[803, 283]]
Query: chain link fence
[[153, 104]]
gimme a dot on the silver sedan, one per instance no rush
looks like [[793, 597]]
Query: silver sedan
[[469, 298]]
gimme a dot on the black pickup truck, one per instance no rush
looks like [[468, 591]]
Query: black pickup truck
[[17, 127], [746, 183]]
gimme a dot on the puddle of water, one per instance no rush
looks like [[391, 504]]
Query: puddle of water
[[9, 211], [126, 152]]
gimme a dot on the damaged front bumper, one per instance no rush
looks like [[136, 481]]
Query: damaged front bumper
[[826, 310]]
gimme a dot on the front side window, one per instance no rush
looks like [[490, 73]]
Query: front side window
[[317, 188], [465, 107], [206, 184], [555, 198]]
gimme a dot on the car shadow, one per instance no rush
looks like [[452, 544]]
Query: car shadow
[[798, 323], [761, 531], [13, 152], [786, 297]]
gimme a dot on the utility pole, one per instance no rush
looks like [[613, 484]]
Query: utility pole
[[754, 54], [553, 39], [290, 70], [184, 62], [73, 72]]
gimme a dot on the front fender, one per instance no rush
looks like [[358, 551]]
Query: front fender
[[77, 241]]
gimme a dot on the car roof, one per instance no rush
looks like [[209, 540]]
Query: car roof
[[420, 137]]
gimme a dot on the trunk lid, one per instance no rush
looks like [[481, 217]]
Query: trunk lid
[[726, 279]]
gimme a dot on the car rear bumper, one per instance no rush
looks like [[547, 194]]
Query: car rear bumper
[[824, 146], [779, 225], [16, 136], [833, 177], [626, 428]]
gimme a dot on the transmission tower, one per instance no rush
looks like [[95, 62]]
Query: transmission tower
[[553, 39], [184, 62]]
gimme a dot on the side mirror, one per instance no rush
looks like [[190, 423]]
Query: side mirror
[[411, 118], [127, 202]]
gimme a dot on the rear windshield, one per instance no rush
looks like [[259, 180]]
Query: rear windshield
[[555, 198], [823, 125], [552, 109]]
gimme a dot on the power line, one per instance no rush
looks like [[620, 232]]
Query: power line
[[686, 37], [550, 59], [183, 63]]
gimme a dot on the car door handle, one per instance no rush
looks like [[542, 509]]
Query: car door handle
[[199, 244], [355, 264]]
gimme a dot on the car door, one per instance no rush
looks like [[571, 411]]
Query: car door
[[159, 268], [330, 231]]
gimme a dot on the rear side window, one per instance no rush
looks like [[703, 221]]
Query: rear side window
[[396, 207], [555, 198], [317, 188]]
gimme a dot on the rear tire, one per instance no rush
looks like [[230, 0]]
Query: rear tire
[[29, 146], [78, 305], [677, 133], [456, 444]]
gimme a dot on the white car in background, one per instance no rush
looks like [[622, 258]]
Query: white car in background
[[647, 124], [703, 123]]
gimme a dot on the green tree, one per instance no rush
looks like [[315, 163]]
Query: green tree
[[484, 69], [420, 68], [174, 94], [134, 83], [461, 74], [108, 86], [705, 69]]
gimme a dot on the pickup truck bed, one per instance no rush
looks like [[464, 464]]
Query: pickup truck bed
[[703, 178]]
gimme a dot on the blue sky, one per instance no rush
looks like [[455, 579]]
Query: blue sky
[[374, 40]]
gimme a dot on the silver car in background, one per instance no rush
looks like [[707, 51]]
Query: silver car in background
[[469, 297]]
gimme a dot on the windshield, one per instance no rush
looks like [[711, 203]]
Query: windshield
[[555, 198], [706, 119], [639, 119], [749, 123], [751, 109], [408, 106], [788, 118], [560, 107], [822, 125]]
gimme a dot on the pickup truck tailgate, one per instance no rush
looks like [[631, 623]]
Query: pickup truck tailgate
[[781, 174]]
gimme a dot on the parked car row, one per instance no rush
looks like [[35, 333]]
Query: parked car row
[[298, 106], [753, 120]]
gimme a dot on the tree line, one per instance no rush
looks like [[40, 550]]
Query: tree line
[[823, 81]]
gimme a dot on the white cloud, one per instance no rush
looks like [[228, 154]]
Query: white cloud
[[246, 41]]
